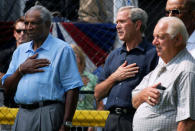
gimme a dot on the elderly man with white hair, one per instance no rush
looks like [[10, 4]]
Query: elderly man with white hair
[[165, 99]]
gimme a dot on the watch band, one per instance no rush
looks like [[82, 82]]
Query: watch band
[[67, 123]]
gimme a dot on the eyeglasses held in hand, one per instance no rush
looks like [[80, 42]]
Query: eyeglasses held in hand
[[20, 30]]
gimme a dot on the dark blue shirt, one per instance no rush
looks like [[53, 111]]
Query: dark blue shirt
[[144, 55]]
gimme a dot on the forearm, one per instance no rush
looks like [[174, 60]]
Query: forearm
[[186, 125], [71, 104], [102, 89], [1, 75], [12, 81], [137, 100]]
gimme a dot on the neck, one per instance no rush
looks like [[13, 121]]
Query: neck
[[37, 43], [17, 44], [168, 58], [133, 43]]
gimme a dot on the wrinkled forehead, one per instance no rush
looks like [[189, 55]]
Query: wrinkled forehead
[[33, 14], [123, 13], [175, 4], [160, 28], [20, 25]]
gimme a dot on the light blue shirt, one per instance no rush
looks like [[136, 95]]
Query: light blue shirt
[[59, 77]]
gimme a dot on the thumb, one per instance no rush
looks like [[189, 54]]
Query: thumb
[[34, 56], [156, 85], [124, 64]]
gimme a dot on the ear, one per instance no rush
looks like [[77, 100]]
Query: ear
[[178, 40], [138, 24], [48, 24]]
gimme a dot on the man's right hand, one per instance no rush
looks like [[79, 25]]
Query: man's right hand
[[32, 65], [125, 71]]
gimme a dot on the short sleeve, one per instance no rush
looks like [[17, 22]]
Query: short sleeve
[[69, 74], [186, 97]]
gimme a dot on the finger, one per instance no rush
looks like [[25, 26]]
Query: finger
[[155, 85], [132, 73], [132, 65], [34, 56], [124, 64], [154, 96], [37, 70], [150, 102], [41, 61], [154, 100], [153, 90], [40, 65], [133, 69]]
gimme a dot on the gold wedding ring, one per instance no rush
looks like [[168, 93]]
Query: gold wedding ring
[[149, 98]]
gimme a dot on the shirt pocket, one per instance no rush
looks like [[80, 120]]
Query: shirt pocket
[[46, 76]]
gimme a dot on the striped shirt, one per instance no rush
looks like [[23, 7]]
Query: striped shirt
[[177, 101]]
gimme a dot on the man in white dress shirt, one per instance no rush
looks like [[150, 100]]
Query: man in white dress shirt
[[185, 10], [165, 98]]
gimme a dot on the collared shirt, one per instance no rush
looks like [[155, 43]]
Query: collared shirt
[[59, 77], [177, 101], [144, 55], [191, 44]]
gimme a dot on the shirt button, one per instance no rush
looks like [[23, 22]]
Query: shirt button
[[120, 84]]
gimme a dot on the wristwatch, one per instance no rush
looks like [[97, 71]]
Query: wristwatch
[[67, 123]]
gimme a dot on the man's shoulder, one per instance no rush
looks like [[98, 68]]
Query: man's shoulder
[[149, 47], [187, 62], [59, 43], [148, 44], [24, 45], [115, 51]]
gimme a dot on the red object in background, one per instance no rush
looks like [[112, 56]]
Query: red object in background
[[6, 32]]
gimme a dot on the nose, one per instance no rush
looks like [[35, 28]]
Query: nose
[[28, 25], [155, 41], [117, 25], [22, 33], [170, 14]]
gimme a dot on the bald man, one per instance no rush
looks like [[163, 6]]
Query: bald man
[[185, 10]]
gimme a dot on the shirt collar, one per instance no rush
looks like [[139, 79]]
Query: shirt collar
[[44, 46], [141, 46]]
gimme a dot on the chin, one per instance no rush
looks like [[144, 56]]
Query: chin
[[121, 38], [159, 54]]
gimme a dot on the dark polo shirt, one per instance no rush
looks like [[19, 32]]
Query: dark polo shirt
[[144, 55]]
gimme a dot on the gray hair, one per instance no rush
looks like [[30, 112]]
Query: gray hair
[[175, 27], [45, 13], [137, 14]]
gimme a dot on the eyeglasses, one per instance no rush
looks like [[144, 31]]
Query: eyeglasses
[[174, 12], [20, 30]]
